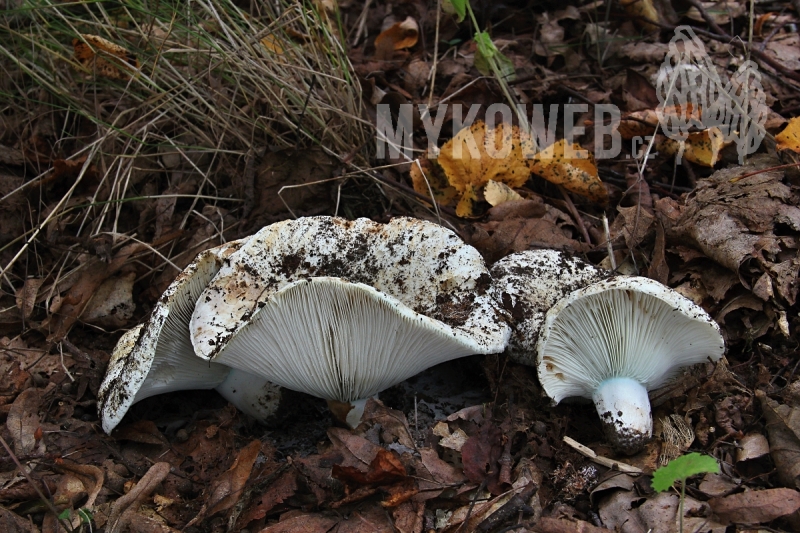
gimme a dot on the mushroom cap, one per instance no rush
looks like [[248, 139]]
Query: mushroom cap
[[157, 357], [632, 327], [344, 309], [528, 284]]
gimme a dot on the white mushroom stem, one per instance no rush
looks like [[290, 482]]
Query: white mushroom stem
[[624, 409], [349, 413], [251, 394]]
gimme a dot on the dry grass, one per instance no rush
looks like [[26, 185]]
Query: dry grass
[[216, 88]]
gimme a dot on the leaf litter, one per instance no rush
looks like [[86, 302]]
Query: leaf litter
[[89, 239]]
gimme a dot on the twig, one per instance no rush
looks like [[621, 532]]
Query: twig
[[45, 500], [574, 212], [605, 461], [723, 36]]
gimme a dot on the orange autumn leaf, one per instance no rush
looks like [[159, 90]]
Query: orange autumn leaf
[[399, 35], [789, 138], [700, 147], [104, 58], [476, 155], [574, 173], [272, 44]]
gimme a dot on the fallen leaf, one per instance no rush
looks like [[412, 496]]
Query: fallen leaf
[[275, 494], [789, 138], [303, 523], [476, 155], [111, 305], [272, 44], [756, 506], [102, 57], [26, 296], [384, 469], [641, 11], [480, 455], [23, 419], [78, 296], [721, 12], [497, 193], [700, 147], [11, 522], [576, 174], [227, 489], [783, 431], [398, 36], [428, 179], [548, 524]]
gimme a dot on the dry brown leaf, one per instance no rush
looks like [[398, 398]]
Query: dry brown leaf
[[398, 36], [721, 11], [789, 138], [783, 431], [576, 174], [756, 506], [303, 523], [79, 295], [476, 155], [104, 58], [26, 296], [23, 419], [112, 305], [227, 489]]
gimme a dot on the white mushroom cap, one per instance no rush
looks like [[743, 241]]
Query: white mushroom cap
[[531, 282], [157, 357], [344, 309], [620, 327]]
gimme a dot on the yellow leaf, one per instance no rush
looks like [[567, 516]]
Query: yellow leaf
[[497, 193], [476, 155], [701, 147], [642, 9], [789, 138], [576, 174], [272, 44], [427, 178]]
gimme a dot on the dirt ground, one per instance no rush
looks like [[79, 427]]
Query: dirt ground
[[135, 135]]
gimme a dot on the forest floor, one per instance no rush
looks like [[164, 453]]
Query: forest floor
[[135, 135]]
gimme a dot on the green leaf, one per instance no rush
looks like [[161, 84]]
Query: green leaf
[[487, 53], [681, 468], [64, 515], [455, 7]]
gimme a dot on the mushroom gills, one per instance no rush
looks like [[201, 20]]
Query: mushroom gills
[[339, 341], [624, 409]]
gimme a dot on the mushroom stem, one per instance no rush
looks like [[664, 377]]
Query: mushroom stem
[[349, 413], [251, 394], [624, 409]]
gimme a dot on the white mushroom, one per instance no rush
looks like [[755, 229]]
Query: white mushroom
[[344, 309], [157, 357], [602, 337]]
